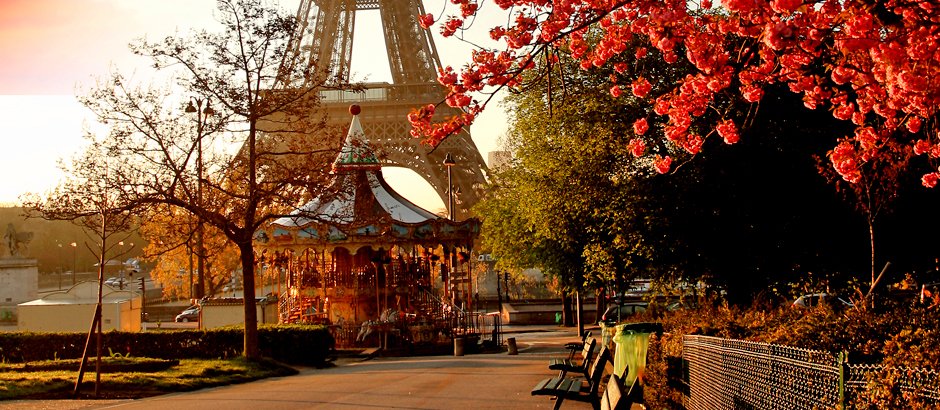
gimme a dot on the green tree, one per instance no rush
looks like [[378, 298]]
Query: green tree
[[171, 159], [571, 204]]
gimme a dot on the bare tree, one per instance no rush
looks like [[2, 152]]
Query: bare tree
[[246, 154], [91, 201]]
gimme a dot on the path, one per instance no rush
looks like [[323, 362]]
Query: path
[[477, 381]]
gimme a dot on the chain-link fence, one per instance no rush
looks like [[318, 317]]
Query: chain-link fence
[[917, 384], [738, 374]]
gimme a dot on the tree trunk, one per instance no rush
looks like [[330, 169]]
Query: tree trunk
[[871, 237], [580, 312], [247, 249], [567, 317], [252, 350], [600, 303]]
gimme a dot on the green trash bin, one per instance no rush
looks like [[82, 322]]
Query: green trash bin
[[632, 343]]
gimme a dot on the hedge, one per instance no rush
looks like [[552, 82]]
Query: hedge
[[294, 344]]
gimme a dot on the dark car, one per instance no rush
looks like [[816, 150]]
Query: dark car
[[191, 314], [617, 313]]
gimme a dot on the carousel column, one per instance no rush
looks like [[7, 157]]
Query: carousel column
[[325, 297], [447, 275]]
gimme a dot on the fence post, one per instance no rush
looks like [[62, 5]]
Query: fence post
[[843, 375]]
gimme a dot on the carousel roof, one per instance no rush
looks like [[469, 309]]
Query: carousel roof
[[359, 194]]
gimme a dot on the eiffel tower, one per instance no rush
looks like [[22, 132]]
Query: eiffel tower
[[325, 34]]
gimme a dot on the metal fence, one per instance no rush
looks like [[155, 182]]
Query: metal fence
[[738, 374], [923, 385]]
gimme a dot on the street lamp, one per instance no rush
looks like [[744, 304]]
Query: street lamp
[[61, 267], [452, 258], [202, 114], [74, 246], [449, 163]]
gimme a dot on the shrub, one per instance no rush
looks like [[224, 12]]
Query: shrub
[[299, 344], [896, 335]]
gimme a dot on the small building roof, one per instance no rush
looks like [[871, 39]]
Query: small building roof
[[83, 293]]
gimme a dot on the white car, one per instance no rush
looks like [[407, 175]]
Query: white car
[[815, 299], [191, 314]]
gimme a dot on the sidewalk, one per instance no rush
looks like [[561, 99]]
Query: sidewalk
[[490, 381]]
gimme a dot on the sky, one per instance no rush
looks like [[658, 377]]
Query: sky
[[53, 50]]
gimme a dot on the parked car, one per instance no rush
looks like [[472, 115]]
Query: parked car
[[616, 313], [815, 299], [191, 314], [116, 282], [686, 304]]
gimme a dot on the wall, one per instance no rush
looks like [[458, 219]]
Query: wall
[[77, 317], [541, 313], [73, 310], [219, 314], [19, 282]]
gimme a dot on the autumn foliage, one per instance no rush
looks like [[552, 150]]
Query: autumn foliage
[[871, 62]]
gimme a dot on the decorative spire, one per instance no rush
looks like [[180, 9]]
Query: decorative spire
[[356, 154]]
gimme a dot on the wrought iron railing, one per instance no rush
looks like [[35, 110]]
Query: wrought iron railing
[[739, 374], [436, 321]]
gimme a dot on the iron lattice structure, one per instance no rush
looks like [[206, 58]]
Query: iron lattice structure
[[325, 34], [739, 374]]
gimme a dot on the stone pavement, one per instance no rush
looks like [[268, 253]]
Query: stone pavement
[[474, 381]]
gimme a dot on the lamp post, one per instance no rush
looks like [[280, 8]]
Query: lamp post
[[74, 246], [452, 257], [202, 114], [61, 267], [449, 163]]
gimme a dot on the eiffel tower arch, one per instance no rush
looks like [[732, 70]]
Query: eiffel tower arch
[[326, 34]]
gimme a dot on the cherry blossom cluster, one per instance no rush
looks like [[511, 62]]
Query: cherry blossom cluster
[[876, 64]]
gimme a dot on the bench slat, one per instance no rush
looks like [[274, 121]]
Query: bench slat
[[547, 387], [577, 388]]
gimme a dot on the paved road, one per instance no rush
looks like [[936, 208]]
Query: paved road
[[478, 381]]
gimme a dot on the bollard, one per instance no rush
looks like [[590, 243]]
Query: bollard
[[512, 346], [458, 345]]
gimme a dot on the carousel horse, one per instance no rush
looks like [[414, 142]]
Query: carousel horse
[[370, 326]]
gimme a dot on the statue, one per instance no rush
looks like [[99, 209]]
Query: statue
[[17, 240]]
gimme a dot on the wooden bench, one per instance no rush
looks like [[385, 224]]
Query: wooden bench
[[570, 365], [615, 398], [576, 388], [575, 347]]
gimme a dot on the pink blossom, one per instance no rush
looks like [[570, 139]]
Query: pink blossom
[[921, 146], [637, 147], [930, 180], [913, 124], [426, 21], [615, 91], [693, 144], [662, 164], [843, 158], [640, 126], [785, 6], [728, 131], [641, 87], [752, 93]]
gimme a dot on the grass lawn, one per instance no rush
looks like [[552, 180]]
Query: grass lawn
[[129, 377]]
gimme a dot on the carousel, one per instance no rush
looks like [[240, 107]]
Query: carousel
[[377, 268]]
